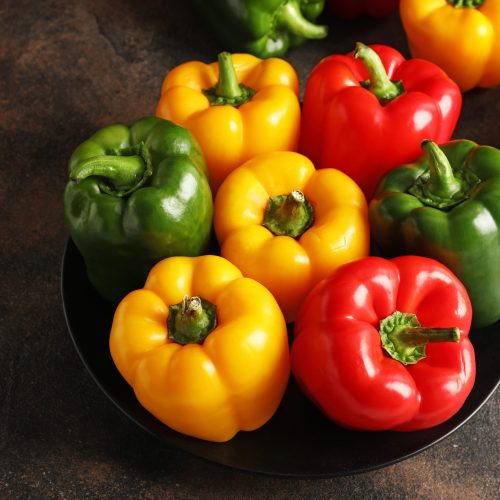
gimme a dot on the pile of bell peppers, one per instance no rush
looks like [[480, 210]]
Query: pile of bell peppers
[[293, 195]]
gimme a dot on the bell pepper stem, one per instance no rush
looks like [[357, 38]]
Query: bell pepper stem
[[191, 320], [120, 170], [442, 181], [466, 4], [442, 186], [228, 85], [119, 174], [404, 339], [228, 91], [288, 215], [379, 83], [290, 18], [420, 336]]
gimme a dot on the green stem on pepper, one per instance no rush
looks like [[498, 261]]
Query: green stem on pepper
[[120, 174], [191, 320], [289, 215], [228, 91], [379, 83], [405, 340], [442, 187], [442, 182], [290, 18]]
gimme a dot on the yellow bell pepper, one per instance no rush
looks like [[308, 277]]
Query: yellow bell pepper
[[237, 108], [288, 225], [205, 350], [460, 36]]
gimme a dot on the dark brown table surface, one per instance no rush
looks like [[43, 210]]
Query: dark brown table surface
[[66, 69]]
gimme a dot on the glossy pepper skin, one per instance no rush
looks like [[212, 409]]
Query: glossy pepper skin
[[321, 224], [264, 28], [367, 129], [460, 36], [237, 108], [207, 372], [135, 196], [447, 206], [352, 371], [349, 9]]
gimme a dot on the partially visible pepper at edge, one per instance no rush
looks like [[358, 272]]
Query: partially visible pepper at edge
[[264, 28], [460, 36]]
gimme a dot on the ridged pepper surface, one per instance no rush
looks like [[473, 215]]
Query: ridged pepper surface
[[460, 36], [447, 206], [383, 344], [367, 112], [288, 225], [135, 196], [205, 350], [237, 108]]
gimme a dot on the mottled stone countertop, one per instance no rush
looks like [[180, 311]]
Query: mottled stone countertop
[[67, 68]]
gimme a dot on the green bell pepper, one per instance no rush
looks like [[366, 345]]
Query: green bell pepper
[[447, 206], [135, 196], [264, 28]]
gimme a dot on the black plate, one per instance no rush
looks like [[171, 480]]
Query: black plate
[[298, 441]]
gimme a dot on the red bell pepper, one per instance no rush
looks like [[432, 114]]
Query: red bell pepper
[[361, 356], [368, 111], [349, 9]]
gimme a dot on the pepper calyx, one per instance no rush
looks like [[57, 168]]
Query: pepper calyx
[[466, 4], [191, 320], [442, 186], [228, 91], [289, 214], [404, 339]]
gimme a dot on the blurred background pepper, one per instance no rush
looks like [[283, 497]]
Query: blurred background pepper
[[264, 28]]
